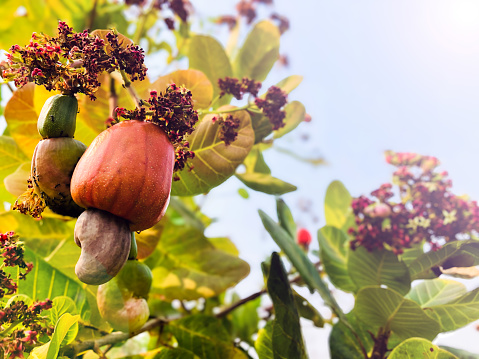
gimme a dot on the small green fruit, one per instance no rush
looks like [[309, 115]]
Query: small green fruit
[[58, 117], [120, 308], [136, 278]]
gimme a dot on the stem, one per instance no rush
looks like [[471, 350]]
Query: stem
[[113, 99], [92, 16], [253, 296], [245, 107], [10, 328], [380, 343], [72, 350], [239, 303], [131, 90], [141, 25]]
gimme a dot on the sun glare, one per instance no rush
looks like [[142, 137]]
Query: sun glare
[[455, 25]]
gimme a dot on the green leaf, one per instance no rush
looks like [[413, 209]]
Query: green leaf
[[189, 267], [16, 182], [265, 183], [344, 344], [461, 354], [287, 339], [11, 158], [380, 267], [175, 353], [224, 244], [295, 113], [45, 281], [259, 52], [21, 118], [289, 83], [421, 267], [333, 252], [337, 206], [243, 193], [410, 254], [214, 161], [205, 336], [258, 175], [207, 55], [61, 305], [40, 235], [457, 313], [65, 332], [245, 319], [307, 311], [194, 80], [436, 292], [19, 297], [300, 261], [383, 307], [264, 342], [40, 352], [255, 162], [285, 217], [419, 348]]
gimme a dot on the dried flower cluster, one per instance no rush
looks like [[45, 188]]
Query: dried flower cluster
[[173, 112], [33, 325], [30, 202], [272, 105], [237, 88], [72, 62], [12, 252], [248, 10], [228, 126], [427, 210]]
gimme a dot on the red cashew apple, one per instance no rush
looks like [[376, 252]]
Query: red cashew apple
[[127, 171]]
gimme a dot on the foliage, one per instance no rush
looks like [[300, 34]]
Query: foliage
[[389, 251]]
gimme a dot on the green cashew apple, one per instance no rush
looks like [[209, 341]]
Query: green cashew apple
[[122, 302], [136, 277], [58, 117]]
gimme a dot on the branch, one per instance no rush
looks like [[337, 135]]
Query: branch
[[92, 16], [239, 303], [253, 296], [73, 350]]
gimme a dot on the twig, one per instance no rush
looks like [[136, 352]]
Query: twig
[[239, 303], [253, 296], [12, 90], [113, 99], [92, 16], [73, 350]]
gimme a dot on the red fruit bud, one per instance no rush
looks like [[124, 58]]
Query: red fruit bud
[[303, 237]]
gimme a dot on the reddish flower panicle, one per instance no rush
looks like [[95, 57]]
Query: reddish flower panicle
[[237, 88], [173, 112], [427, 211], [272, 106], [72, 62], [228, 128]]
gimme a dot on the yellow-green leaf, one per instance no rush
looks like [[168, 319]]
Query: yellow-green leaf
[[194, 80], [259, 52], [189, 267], [382, 307], [16, 182], [419, 348], [214, 161], [207, 55]]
